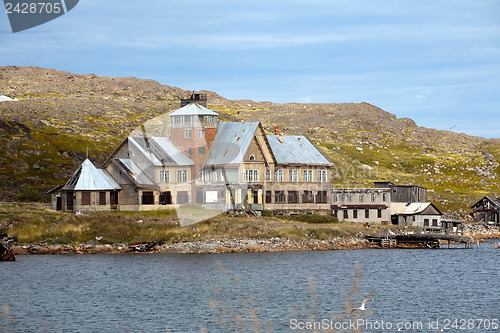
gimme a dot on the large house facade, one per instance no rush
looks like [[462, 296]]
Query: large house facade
[[220, 165]]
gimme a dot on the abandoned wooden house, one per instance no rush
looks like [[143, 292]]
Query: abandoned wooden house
[[404, 193], [362, 204], [487, 210], [221, 165]]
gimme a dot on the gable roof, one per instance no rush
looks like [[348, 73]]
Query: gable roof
[[494, 200], [88, 178], [231, 143], [193, 109], [414, 208], [296, 149], [160, 151]]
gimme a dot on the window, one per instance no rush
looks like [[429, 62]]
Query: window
[[293, 196], [85, 198], [321, 175], [373, 197], [384, 197], [165, 198], [335, 213], [164, 176], [335, 197], [201, 150], [308, 175], [201, 134], [307, 197], [182, 197], [268, 175], [321, 197], [252, 158], [187, 134], [251, 175], [148, 198], [349, 197], [181, 176], [293, 175], [426, 222], [367, 213], [354, 213], [434, 222], [278, 175], [379, 213], [102, 198], [211, 119], [361, 197], [189, 151], [268, 197], [279, 196], [346, 214]]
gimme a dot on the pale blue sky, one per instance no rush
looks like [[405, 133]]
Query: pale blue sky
[[437, 62]]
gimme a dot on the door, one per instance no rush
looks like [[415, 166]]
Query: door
[[58, 203], [69, 201]]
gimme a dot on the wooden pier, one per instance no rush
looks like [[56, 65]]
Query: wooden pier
[[432, 241]]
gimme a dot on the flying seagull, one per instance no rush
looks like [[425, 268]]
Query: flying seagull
[[362, 307]]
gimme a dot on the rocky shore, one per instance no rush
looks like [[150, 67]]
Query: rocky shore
[[205, 246]]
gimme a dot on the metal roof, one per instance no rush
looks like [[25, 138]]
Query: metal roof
[[135, 172], [160, 151], [296, 149], [193, 109], [231, 143], [413, 208], [88, 178]]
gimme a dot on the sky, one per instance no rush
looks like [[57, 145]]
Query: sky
[[437, 62]]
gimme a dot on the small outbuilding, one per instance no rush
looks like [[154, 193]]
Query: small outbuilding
[[88, 190], [420, 214]]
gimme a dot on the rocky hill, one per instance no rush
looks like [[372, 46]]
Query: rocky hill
[[44, 135]]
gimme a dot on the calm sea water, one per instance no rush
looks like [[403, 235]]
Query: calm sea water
[[411, 289]]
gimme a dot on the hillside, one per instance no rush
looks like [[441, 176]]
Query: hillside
[[44, 135]]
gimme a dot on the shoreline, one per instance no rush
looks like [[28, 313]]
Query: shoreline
[[245, 245], [211, 246]]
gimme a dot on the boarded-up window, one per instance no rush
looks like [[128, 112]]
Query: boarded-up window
[[85, 198], [268, 197], [148, 198], [182, 197], [293, 196], [102, 198]]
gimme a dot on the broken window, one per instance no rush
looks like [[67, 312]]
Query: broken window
[[85, 198]]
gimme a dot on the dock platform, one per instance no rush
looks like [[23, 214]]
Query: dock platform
[[432, 241]]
